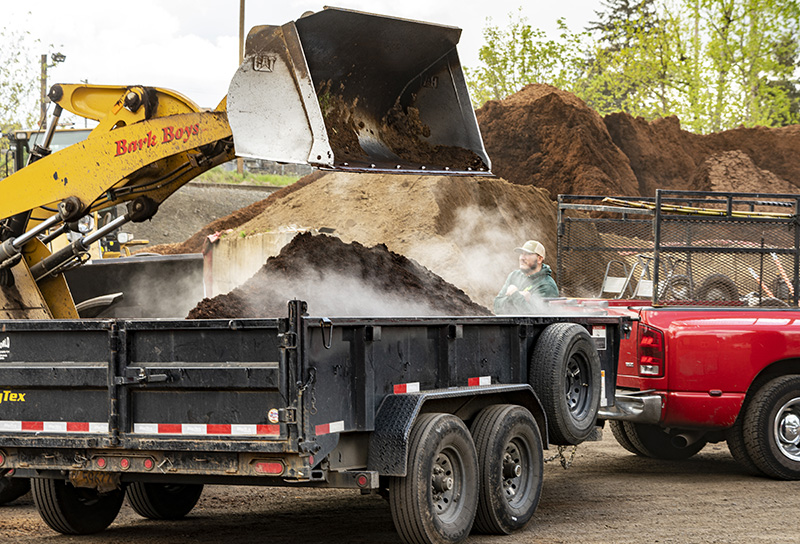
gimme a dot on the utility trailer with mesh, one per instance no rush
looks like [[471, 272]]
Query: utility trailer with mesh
[[446, 416], [681, 248]]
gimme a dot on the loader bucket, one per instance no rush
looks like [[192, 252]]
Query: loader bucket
[[348, 90]]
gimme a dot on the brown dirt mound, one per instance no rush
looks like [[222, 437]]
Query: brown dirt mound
[[194, 244], [664, 156], [341, 279], [548, 138], [463, 228], [734, 171]]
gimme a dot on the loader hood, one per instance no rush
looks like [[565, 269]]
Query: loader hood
[[348, 90]]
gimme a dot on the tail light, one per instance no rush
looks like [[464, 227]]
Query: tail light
[[651, 352]]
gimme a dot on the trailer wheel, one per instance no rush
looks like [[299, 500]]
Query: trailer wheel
[[163, 501], [564, 371], [717, 287], [437, 499], [658, 443], [75, 510], [771, 428], [621, 436], [13, 488], [510, 465]]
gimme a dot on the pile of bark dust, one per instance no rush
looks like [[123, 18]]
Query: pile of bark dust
[[340, 279]]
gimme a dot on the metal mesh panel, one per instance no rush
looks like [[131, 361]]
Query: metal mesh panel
[[679, 255]]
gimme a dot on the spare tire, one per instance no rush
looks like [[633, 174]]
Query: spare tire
[[718, 287], [564, 371]]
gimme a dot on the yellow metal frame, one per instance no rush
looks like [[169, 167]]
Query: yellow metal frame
[[127, 155]]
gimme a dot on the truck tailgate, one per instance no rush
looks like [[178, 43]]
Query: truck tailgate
[[125, 383]]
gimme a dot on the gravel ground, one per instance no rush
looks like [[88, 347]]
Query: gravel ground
[[607, 496]]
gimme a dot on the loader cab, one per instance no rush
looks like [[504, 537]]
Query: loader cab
[[22, 141]]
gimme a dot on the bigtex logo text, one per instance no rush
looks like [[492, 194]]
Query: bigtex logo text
[[8, 396]]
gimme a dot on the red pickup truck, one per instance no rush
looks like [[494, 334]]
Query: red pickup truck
[[688, 376], [712, 281]]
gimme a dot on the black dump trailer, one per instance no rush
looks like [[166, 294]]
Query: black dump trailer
[[446, 416]]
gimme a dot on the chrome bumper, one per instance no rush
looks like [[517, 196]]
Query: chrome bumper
[[640, 407]]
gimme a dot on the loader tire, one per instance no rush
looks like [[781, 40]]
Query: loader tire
[[564, 371], [163, 501], [75, 510]]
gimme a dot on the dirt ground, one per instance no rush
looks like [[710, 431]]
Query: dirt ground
[[607, 496]]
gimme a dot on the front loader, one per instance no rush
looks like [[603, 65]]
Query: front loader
[[336, 89]]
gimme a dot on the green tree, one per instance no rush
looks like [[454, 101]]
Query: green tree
[[519, 54], [18, 86]]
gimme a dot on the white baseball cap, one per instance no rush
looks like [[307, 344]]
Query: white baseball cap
[[531, 246]]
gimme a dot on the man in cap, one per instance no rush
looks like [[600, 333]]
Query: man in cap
[[527, 285]]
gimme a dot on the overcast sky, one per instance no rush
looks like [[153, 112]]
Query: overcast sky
[[191, 46]]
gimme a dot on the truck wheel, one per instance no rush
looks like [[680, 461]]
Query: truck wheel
[[565, 372], [510, 465], [772, 428], [13, 488], [717, 287], [621, 436], [75, 510], [437, 499], [163, 501], [658, 443], [735, 439]]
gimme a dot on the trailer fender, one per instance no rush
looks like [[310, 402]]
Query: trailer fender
[[388, 444]]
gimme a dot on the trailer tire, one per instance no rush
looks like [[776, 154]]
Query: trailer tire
[[163, 501], [13, 488], [718, 287], [622, 438], [656, 442], [510, 466], [437, 499], [771, 428], [75, 511], [564, 371]]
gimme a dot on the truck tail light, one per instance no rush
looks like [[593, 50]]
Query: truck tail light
[[651, 352]]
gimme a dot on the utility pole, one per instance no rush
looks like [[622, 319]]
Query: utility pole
[[43, 94], [56, 58], [239, 160]]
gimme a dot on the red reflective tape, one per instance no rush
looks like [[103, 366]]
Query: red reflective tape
[[482, 380], [323, 429], [33, 425], [169, 428], [473, 382], [268, 429], [218, 429], [399, 388], [78, 426]]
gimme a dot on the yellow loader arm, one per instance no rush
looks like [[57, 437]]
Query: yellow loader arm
[[149, 142], [336, 89]]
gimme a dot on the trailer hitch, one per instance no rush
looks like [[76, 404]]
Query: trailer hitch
[[143, 376]]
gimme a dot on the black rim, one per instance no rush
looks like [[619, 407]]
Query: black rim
[[447, 485], [517, 471], [578, 387]]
